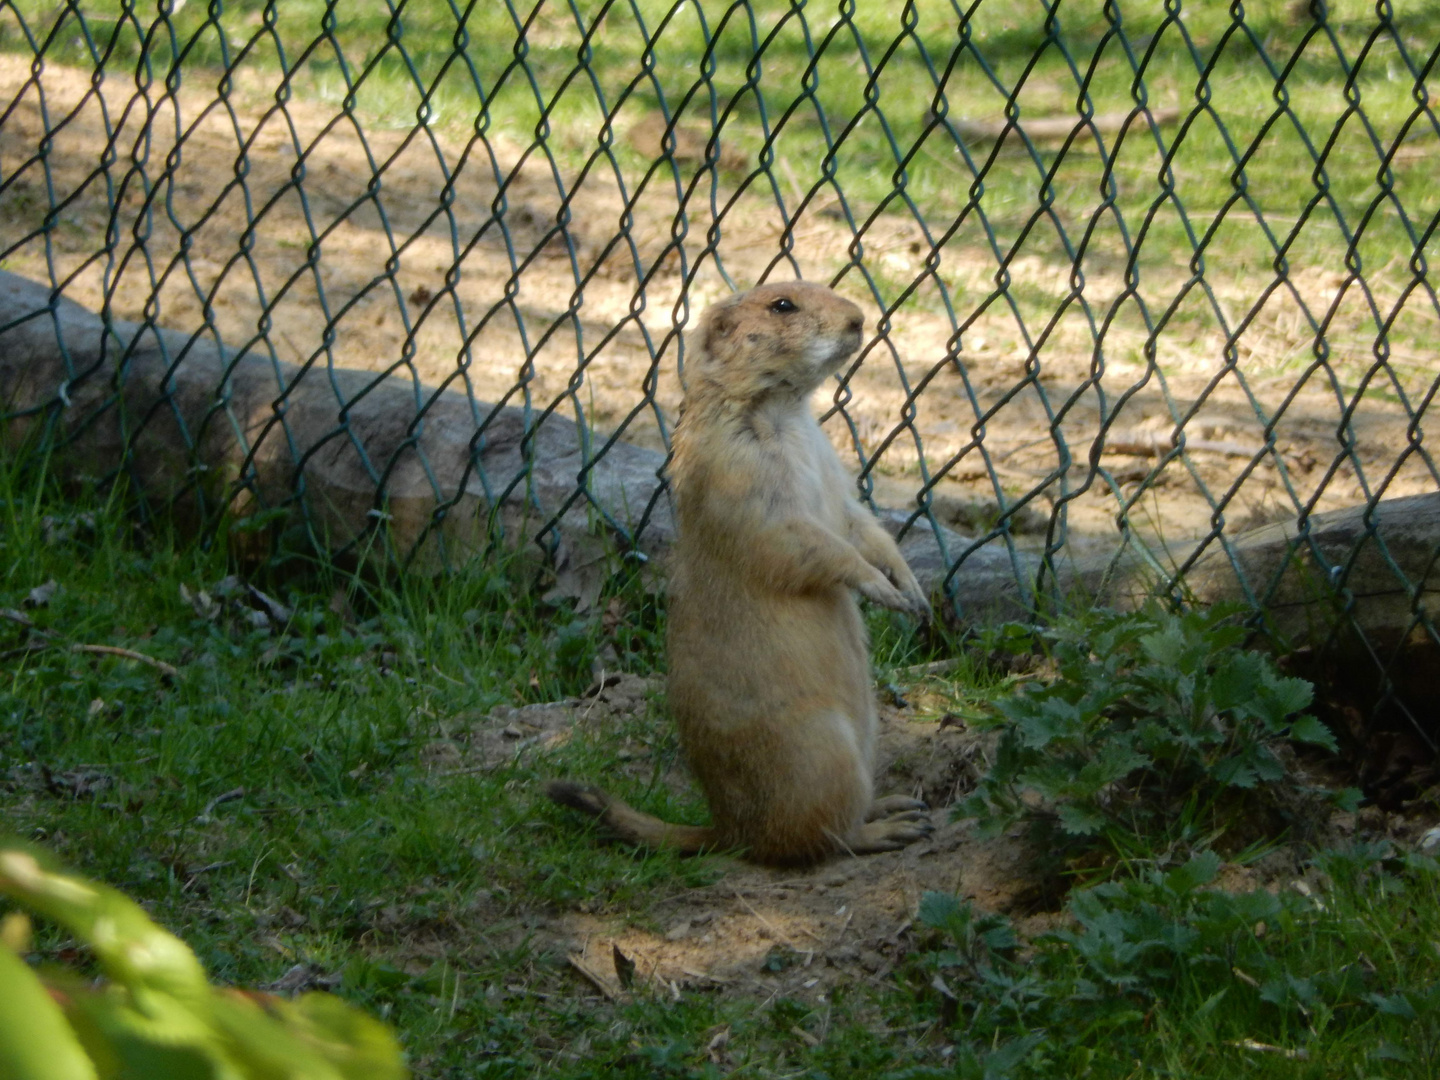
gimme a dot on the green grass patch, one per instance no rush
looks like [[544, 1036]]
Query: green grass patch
[[1164, 974], [274, 804], [1294, 152]]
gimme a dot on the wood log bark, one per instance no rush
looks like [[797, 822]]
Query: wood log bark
[[1353, 594], [379, 466], [1358, 590], [1376, 567]]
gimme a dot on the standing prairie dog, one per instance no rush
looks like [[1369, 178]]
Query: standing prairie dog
[[769, 660]]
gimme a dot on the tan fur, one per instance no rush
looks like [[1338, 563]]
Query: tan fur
[[769, 661]]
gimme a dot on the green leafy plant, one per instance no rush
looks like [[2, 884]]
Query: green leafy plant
[[1170, 949], [156, 1015], [1153, 724]]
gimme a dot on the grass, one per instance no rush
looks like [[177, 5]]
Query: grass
[[518, 69], [321, 725], [273, 805]]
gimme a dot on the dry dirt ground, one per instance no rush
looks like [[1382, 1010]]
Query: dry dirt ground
[[759, 932], [333, 273]]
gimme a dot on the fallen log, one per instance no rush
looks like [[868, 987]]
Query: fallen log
[[366, 464], [1352, 594]]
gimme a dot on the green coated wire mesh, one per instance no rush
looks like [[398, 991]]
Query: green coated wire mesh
[[1140, 274]]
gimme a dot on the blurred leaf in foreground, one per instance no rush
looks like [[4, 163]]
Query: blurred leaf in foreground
[[156, 1015]]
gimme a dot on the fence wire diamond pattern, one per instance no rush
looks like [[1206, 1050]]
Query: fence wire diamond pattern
[[1141, 276]]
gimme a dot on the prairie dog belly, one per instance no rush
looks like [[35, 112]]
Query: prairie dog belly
[[737, 658]]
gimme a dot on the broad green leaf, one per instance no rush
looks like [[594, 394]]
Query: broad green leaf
[[1307, 729], [1167, 647], [1289, 991], [160, 1018], [1078, 820], [999, 937], [1115, 761], [1388, 1051], [1200, 870], [36, 1041], [130, 947], [937, 909], [1247, 908], [1234, 681], [158, 1035], [264, 1041], [1056, 718], [1001, 1064], [1281, 697], [1266, 765], [1348, 799], [1393, 1005], [357, 1045], [1235, 772]]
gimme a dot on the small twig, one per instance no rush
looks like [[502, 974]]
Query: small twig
[[113, 764], [128, 654], [11, 615], [218, 800], [447, 678], [784, 937], [705, 975], [934, 667], [190, 878], [1266, 1048], [470, 771]]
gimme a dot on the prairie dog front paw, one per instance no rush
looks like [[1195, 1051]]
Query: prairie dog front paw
[[904, 580], [878, 590]]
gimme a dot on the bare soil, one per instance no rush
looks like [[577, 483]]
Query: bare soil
[[760, 932], [270, 232]]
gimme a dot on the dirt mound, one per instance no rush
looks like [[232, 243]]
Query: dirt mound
[[765, 931]]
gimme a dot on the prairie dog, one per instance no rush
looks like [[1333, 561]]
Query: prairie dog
[[769, 660]]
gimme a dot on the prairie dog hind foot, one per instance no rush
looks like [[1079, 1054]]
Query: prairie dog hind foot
[[891, 833], [891, 805]]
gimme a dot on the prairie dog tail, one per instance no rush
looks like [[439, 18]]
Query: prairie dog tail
[[629, 824]]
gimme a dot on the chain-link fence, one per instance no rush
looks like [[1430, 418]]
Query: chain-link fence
[[1139, 275]]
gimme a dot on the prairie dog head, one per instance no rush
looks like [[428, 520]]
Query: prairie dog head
[[775, 339]]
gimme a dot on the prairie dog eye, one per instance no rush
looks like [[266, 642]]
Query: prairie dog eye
[[783, 306]]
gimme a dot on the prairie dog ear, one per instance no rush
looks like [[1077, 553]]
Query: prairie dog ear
[[719, 325]]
